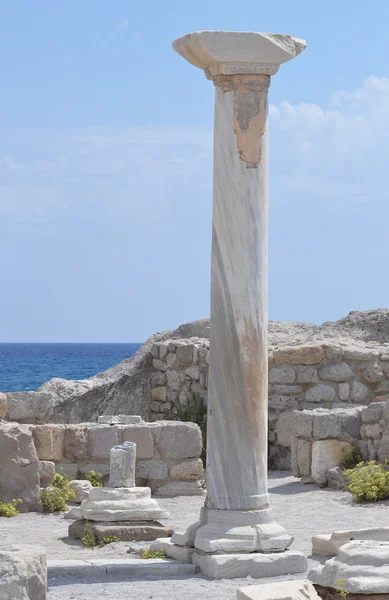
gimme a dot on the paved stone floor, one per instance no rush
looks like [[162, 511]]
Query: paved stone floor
[[305, 510]]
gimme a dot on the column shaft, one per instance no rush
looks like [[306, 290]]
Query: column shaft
[[237, 394]]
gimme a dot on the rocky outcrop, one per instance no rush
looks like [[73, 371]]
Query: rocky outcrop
[[23, 573], [19, 467], [310, 365]]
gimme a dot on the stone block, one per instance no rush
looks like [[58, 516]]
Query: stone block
[[69, 469], [101, 439], [125, 531], [303, 457], [285, 428], [119, 419], [382, 389], [175, 380], [158, 379], [175, 439], [373, 430], [358, 354], [46, 472], [326, 425], [373, 373], [182, 554], [184, 357], [363, 565], [85, 468], [359, 392], [158, 394], [282, 403], [151, 469], [297, 589], [154, 351], [325, 455], [322, 545], [303, 424], [338, 372], [344, 391], [306, 374], [76, 443], [193, 373], [336, 479], [171, 357], [23, 572], [192, 468], [179, 488], [141, 436], [320, 393], [287, 390], [383, 451], [284, 374], [351, 421], [159, 365], [163, 350], [49, 441], [19, 467], [373, 412], [155, 407], [301, 355], [81, 489], [231, 566]]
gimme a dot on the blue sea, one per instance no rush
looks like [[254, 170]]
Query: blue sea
[[26, 366]]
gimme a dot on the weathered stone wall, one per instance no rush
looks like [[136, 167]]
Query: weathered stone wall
[[321, 437], [168, 452], [300, 377]]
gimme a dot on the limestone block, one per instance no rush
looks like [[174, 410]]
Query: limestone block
[[81, 488], [184, 357], [306, 374], [122, 465], [329, 544], [344, 391], [301, 457], [49, 441], [287, 390], [23, 573], [154, 351], [163, 350], [320, 393], [158, 379], [382, 388], [325, 455], [383, 451], [302, 355], [175, 380], [174, 439], [230, 566], [285, 428], [373, 373], [359, 391], [125, 531], [339, 372], [151, 469], [159, 365], [171, 357], [297, 589], [326, 425], [193, 373], [158, 394], [283, 374], [76, 443], [282, 403], [183, 554], [351, 421], [363, 565], [373, 430], [358, 354], [3, 406], [333, 352], [187, 538], [322, 545], [69, 469], [19, 467], [192, 468], [179, 488], [303, 424], [373, 412], [121, 504], [155, 407], [46, 472], [119, 419], [336, 479], [101, 439]]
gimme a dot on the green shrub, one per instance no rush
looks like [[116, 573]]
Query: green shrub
[[195, 411], [368, 481], [96, 479], [340, 589], [54, 498], [351, 459], [8, 509], [90, 539], [108, 540], [153, 554]]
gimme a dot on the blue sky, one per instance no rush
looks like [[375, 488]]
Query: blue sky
[[106, 165]]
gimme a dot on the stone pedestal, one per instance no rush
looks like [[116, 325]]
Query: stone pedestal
[[132, 507], [237, 519]]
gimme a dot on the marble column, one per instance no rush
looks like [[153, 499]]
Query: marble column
[[237, 517]]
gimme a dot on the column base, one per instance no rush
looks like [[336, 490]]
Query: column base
[[232, 543]]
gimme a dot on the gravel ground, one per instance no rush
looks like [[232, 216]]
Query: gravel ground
[[304, 510]]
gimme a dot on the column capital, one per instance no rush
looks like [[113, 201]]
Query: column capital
[[238, 52]]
